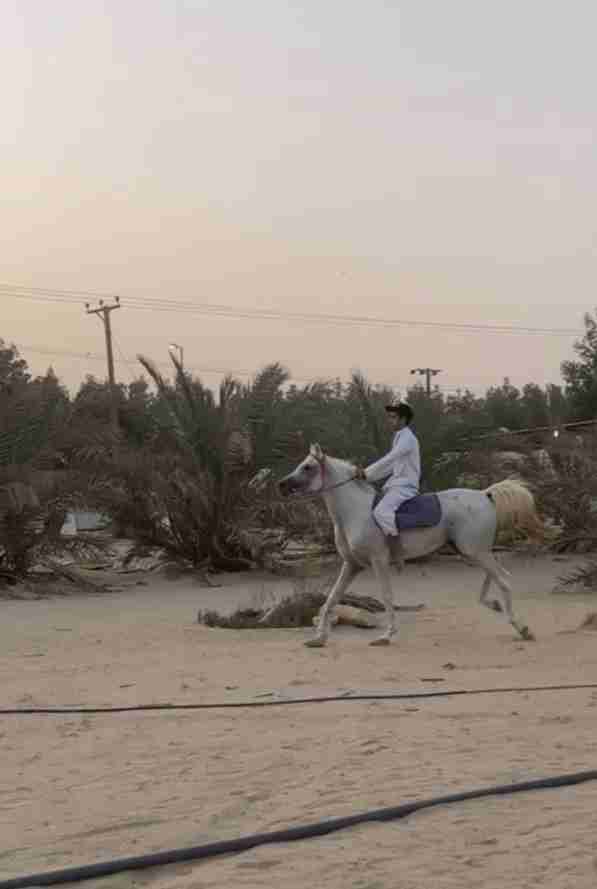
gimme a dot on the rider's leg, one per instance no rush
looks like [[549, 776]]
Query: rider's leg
[[385, 516], [385, 511]]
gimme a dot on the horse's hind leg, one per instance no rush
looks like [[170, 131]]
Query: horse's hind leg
[[347, 572], [498, 574]]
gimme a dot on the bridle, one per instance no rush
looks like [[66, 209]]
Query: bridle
[[323, 489]]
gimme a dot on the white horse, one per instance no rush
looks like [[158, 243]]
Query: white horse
[[470, 520]]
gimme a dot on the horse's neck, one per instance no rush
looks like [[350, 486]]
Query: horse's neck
[[346, 503], [334, 473]]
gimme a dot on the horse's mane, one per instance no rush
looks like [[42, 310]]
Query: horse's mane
[[344, 463]]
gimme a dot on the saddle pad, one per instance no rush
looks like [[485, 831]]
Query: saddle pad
[[423, 511]]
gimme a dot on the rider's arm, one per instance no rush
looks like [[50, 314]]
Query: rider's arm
[[383, 467]]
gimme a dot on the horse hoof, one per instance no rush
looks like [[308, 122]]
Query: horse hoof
[[496, 606], [315, 643], [527, 635], [383, 640]]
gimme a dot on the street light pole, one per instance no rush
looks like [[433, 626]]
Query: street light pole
[[180, 350]]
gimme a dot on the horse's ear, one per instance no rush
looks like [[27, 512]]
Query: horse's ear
[[317, 452]]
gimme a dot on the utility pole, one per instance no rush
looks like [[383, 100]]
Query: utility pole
[[103, 312], [427, 372]]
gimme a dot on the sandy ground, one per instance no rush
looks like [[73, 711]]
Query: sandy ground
[[76, 789]]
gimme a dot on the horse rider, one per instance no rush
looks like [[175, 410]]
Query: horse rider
[[402, 464]]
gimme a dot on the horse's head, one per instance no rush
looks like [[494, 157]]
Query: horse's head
[[307, 478]]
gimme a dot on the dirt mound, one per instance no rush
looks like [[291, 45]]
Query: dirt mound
[[590, 621]]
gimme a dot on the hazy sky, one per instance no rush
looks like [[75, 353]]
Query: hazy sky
[[411, 159]]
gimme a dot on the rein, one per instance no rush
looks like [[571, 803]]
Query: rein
[[294, 497], [353, 478]]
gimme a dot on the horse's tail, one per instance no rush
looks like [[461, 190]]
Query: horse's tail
[[515, 507]]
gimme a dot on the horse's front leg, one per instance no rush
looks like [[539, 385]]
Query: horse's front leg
[[382, 573], [347, 572]]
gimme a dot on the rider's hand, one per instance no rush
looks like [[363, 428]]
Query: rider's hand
[[359, 473]]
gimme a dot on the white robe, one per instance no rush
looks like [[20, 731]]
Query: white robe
[[403, 466]]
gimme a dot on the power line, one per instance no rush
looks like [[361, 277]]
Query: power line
[[234, 312], [91, 356], [212, 310], [245, 373], [124, 359], [93, 294], [220, 371]]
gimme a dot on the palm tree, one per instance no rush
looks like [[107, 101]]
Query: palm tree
[[187, 491]]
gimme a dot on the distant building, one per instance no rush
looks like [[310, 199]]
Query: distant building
[[80, 520]]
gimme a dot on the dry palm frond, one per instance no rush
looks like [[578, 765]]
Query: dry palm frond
[[164, 390], [582, 578], [362, 391]]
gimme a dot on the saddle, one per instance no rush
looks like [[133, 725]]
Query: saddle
[[422, 511]]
